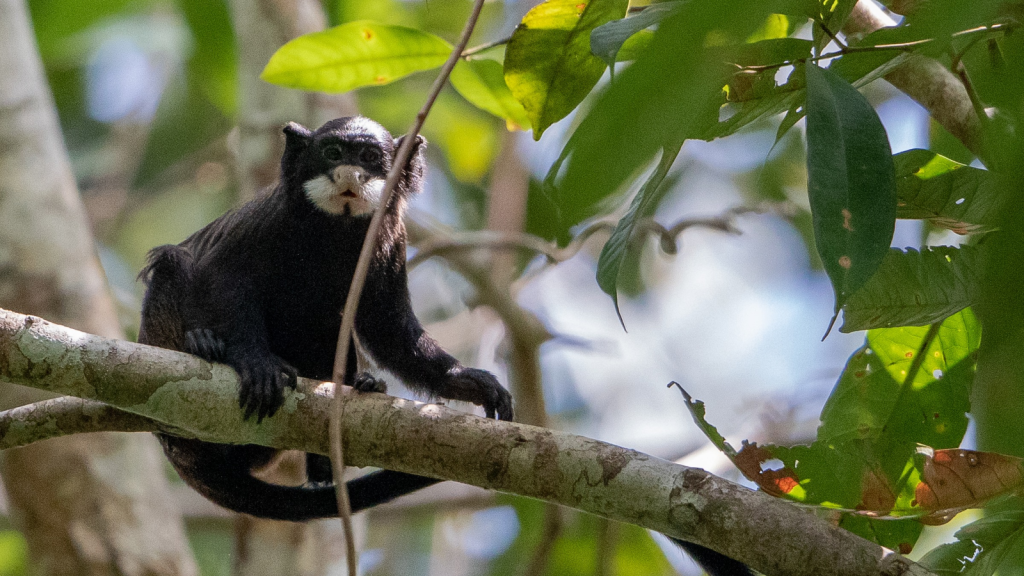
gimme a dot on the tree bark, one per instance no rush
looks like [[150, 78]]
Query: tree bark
[[96, 504], [197, 398]]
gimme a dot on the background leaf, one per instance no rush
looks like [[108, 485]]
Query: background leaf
[[482, 83], [548, 63], [916, 288], [617, 249], [850, 180], [946, 193], [607, 39], [355, 54]]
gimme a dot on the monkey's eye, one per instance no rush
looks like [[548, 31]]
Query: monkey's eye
[[369, 155], [331, 153]]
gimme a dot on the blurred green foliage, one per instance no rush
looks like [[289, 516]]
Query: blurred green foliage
[[701, 69]]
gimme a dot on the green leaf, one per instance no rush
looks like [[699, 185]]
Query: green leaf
[[850, 180], [634, 45], [831, 15], [946, 193], [916, 288], [607, 40], [670, 93], [618, 247], [352, 55], [482, 83], [983, 547], [548, 63]]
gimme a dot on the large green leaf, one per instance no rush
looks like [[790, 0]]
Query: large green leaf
[[617, 248], [916, 288], [850, 180], [482, 83], [673, 91], [548, 63], [946, 193], [352, 55]]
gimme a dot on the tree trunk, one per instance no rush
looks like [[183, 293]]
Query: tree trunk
[[97, 504]]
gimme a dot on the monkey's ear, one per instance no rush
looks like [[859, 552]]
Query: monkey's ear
[[296, 136], [296, 139], [413, 179], [417, 148]]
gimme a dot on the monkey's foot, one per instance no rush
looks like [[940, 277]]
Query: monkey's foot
[[365, 382], [204, 343], [481, 388], [262, 380]]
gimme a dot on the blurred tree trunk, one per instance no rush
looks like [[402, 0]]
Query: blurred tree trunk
[[96, 504], [261, 27]]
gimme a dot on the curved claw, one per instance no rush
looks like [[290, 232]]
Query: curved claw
[[482, 388], [366, 382], [262, 381]]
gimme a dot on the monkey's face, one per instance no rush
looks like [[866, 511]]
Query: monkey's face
[[345, 165]]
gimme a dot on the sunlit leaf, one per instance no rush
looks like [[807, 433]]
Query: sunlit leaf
[[831, 16], [851, 182], [916, 288], [946, 193], [548, 63], [482, 83], [354, 54]]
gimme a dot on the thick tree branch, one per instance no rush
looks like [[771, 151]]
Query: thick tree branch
[[620, 484]]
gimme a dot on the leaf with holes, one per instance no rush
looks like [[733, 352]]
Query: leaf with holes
[[355, 54], [548, 63], [851, 182], [946, 193], [916, 288], [482, 83]]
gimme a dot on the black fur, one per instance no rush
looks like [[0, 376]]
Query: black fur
[[262, 288]]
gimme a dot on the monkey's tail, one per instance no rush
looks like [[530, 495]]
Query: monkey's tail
[[712, 562], [203, 466]]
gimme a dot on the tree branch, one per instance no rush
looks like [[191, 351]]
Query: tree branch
[[925, 80], [199, 398]]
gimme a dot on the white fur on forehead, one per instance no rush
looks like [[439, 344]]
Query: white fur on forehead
[[362, 126]]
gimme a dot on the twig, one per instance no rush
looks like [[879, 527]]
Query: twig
[[446, 245], [484, 47], [542, 553], [359, 278], [958, 68]]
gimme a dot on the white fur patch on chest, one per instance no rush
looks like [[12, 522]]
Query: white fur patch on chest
[[347, 190]]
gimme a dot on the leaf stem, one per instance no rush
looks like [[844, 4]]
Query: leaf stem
[[359, 279]]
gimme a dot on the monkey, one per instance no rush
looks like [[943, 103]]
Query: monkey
[[262, 288]]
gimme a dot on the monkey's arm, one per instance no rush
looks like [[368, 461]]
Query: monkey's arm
[[232, 314], [390, 332]]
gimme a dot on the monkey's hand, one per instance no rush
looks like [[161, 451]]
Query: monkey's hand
[[262, 379], [204, 343], [366, 382], [479, 387]]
